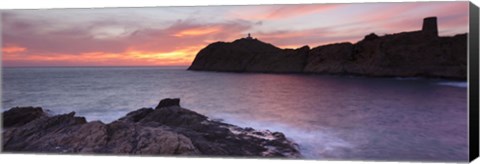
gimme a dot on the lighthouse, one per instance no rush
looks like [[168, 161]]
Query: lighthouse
[[249, 36]]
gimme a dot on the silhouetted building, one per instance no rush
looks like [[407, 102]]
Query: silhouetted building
[[248, 36], [430, 26]]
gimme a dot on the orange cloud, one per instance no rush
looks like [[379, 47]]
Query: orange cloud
[[178, 57], [13, 49], [197, 31]]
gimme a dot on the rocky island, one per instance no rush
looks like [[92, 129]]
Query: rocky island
[[407, 54], [166, 130]]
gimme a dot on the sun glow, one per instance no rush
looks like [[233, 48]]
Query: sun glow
[[127, 58], [157, 55]]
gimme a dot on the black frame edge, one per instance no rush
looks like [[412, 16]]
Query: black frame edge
[[473, 82]]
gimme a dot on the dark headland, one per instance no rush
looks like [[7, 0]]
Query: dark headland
[[166, 130], [407, 54]]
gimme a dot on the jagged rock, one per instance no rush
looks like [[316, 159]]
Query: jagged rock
[[128, 138], [41, 133], [166, 130], [168, 103], [19, 116], [174, 116], [135, 116], [371, 36], [407, 54]]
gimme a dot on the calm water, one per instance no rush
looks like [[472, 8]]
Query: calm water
[[331, 117]]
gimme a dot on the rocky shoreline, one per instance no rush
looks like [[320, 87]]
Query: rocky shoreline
[[166, 130], [406, 54]]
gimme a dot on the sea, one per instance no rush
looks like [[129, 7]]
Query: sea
[[331, 117]]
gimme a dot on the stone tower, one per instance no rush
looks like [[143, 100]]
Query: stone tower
[[430, 26]]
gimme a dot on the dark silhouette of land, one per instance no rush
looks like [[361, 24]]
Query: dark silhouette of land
[[407, 54]]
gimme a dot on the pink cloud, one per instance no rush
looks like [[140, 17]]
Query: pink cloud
[[77, 40], [185, 34], [387, 12], [399, 17], [183, 39], [278, 12], [287, 11], [312, 37]]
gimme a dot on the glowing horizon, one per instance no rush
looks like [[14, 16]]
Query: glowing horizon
[[172, 36]]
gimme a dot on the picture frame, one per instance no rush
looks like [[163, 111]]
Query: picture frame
[[471, 97]]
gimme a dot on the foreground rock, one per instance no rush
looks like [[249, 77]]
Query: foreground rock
[[408, 54], [166, 130]]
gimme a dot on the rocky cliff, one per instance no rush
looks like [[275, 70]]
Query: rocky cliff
[[166, 130], [408, 54], [249, 55]]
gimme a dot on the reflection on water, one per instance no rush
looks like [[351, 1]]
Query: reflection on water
[[331, 117]]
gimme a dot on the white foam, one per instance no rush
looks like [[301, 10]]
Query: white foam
[[266, 135], [307, 140], [455, 84]]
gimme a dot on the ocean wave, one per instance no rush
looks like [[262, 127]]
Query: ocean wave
[[455, 84]]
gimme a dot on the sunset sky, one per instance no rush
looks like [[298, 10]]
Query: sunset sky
[[171, 36]]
